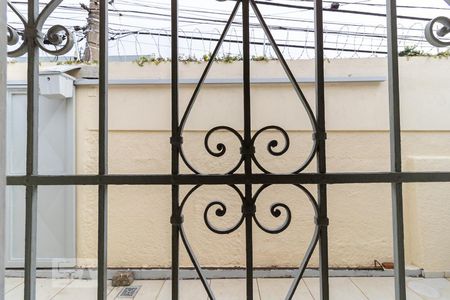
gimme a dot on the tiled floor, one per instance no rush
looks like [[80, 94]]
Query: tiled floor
[[343, 288]]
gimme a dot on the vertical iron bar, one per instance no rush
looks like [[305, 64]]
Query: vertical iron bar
[[395, 149], [248, 205], [32, 150], [103, 152], [3, 50], [175, 141], [321, 151]]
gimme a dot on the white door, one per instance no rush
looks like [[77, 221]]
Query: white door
[[56, 204]]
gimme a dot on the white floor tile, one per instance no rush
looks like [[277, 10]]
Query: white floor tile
[[149, 290], [11, 283], [189, 290], [45, 289], [430, 288], [232, 289], [341, 288], [380, 288], [81, 289], [356, 288], [277, 288]]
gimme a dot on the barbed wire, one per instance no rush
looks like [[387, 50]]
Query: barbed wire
[[346, 41], [341, 38]]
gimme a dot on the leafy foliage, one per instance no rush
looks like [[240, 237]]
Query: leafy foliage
[[227, 59], [411, 51]]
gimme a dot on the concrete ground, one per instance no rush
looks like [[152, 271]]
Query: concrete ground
[[341, 288]]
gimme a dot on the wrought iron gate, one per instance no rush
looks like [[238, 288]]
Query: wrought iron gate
[[254, 171]]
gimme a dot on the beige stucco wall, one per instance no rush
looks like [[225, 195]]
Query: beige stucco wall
[[357, 119]]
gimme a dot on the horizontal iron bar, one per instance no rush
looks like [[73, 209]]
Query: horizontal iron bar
[[193, 179]]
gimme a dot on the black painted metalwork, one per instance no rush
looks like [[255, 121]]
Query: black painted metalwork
[[435, 37], [396, 152], [102, 247], [248, 185], [321, 153], [248, 158], [176, 141]]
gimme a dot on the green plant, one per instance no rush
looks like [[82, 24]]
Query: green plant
[[207, 57], [228, 59], [260, 58], [225, 58], [412, 51], [141, 60], [443, 54], [188, 59], [75, 61]]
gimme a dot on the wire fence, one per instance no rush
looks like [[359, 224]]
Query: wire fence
[[140, 29], [346, 41]]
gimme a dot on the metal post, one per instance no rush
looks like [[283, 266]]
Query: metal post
[[176, 142], [32, 151], [320, 135], [249, 206], [2, 145], [395, 145], [103, 153]]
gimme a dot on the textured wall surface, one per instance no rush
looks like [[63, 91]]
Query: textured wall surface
[[357, 120]]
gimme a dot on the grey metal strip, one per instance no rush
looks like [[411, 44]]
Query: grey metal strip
[[32, 151], [3, 53], [103, 152], [227, 81], [30, 242], [395, 149], [321, 150]]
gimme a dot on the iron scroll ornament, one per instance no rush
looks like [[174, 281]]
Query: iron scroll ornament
[[275, 147], [432, 36], [272, 146], [57, 36], [276, 210]]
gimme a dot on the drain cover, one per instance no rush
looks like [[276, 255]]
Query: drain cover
[[129, 292]]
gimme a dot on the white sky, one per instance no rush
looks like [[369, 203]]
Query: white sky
[[346, 31]]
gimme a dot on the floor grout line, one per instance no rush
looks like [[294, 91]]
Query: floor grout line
[[114, 289], [307, 287], [11, 290], [53, 297], [209, 283], [259, 290], [362, 292], [14, 287], [160, 289]]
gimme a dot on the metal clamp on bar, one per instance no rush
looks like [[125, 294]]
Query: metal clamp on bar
[[176, 140], [248, 209], [321, 221], [247, 150], [176, 219], [31, 33], [319, 136]]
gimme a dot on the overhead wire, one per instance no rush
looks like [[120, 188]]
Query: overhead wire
[[205, 17]]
